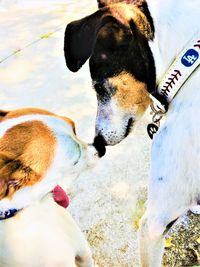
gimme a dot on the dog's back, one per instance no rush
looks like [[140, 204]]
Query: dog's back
[[41, 235]]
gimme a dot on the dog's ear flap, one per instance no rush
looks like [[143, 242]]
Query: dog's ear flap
[[81, 35], [14, 174], [80, 38], [5, 158]]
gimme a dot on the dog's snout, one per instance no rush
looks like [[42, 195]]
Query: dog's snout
[[99, 144]]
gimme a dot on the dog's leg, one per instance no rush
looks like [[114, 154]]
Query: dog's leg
[[151, 243], [172, 190], [163, 208]]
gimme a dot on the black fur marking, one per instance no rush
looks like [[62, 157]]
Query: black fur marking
[[129, 126], [103, 93]]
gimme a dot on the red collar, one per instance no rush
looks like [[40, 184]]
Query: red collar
[[60, 197]]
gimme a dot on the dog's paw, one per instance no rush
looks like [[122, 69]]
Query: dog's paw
[[195, 209]]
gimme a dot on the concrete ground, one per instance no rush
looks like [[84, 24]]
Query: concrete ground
[[33, 73]]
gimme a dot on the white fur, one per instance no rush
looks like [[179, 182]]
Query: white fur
[[108, 120], [42, 235], [174, 184]]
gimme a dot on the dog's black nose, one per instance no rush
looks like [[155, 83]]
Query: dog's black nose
[[99, 144]]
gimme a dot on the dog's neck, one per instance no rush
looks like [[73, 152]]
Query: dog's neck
[[171, 35]]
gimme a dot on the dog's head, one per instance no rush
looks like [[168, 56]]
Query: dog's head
[[37, 145], [115, 38]]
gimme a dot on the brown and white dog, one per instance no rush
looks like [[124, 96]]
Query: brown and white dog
[[131, 44], [39, 149]]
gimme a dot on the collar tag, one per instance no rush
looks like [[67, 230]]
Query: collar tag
[[152, 129], [158, 111], [180, 70]]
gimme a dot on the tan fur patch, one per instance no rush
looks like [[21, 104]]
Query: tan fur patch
[[127, 12], [26, 152], [130, 93]]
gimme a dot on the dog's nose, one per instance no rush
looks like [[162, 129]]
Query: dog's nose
[[99, 144]]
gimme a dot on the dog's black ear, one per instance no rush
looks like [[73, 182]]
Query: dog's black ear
[[80, 38], [81, 35]]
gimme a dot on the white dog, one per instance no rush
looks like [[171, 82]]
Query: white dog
[[131, 45], [39, 149]]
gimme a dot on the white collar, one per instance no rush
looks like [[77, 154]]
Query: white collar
[[176, 75], [181, 69]]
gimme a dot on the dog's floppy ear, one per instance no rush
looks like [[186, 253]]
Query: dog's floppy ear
[[14, 174], [80, 38], [81, 35], [5, 159]]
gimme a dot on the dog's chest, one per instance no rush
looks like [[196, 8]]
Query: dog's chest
[[176, 147]]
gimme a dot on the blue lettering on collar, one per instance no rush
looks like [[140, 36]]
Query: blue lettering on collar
[[189, 58]]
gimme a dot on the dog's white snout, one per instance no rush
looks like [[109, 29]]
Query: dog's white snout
[[113, 132]]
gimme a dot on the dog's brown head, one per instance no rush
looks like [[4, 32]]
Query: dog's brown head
[[115, 38]]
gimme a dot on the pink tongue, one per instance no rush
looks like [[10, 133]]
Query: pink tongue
[[60, 197]]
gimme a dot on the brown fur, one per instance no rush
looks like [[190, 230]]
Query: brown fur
[[26, 151], [130, 93]]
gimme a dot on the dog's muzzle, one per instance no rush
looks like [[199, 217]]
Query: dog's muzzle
[[99, 144]]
